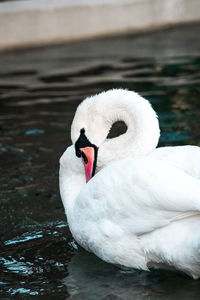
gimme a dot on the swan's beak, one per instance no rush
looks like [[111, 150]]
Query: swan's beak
[[89, 161], [88, 152]]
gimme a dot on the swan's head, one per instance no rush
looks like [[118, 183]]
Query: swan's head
[[94, 118]]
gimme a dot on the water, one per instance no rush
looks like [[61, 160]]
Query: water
[[39, 91]]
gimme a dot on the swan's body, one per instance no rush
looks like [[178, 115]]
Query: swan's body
[[142, 208]]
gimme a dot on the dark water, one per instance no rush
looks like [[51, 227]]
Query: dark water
[[39, 91]]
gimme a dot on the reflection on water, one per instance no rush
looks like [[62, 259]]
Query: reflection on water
[[90, 278], [39, 91]]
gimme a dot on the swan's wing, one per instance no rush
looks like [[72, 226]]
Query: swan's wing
[[141, 195], [186, 158]]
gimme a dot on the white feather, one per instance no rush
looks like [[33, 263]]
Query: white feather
[[142, 208]]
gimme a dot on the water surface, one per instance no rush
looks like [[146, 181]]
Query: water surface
[[39, 91]]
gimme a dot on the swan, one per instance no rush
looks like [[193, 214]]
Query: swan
[[142, 208]]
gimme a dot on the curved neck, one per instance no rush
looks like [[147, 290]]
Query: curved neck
[[71, 178], [142, 133]]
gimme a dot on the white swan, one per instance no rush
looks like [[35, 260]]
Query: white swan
[[142, 207]]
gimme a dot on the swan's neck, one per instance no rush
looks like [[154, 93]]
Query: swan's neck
[[142, 133], [71, 178], [98, 113]]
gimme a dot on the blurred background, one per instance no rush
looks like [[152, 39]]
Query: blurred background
[[53, 54], [36, 22]]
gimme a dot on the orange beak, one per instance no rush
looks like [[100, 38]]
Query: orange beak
[[88, 158]]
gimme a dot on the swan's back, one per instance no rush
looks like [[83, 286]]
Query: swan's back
[[186, 158]]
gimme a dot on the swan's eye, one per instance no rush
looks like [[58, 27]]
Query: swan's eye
[[117, 129], [78, 153]]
